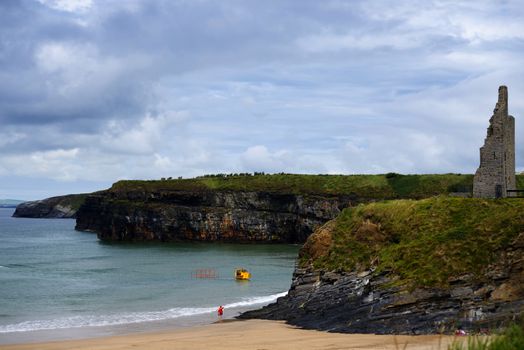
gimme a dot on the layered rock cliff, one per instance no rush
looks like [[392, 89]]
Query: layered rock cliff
[[207, 215], [54, 207], [244, 208], [365, 302], [410, 267]]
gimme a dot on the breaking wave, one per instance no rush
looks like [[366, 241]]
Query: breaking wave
[[128, 318]]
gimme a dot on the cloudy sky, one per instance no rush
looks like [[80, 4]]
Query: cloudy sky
[[93, 91]]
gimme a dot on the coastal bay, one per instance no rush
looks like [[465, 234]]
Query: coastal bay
[[58, 283]]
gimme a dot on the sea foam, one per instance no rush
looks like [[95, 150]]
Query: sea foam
[[128, 318]]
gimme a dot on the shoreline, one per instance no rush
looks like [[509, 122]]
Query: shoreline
[[117, 330], [245, 334]]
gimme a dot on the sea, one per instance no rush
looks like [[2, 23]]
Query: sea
[[57, 283]]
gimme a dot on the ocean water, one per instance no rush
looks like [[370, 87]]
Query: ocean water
[[57, 283]]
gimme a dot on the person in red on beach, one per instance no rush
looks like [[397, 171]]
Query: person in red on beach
[[460, 332], [220, 311]]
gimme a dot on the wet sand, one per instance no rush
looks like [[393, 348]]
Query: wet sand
[[252, 335]]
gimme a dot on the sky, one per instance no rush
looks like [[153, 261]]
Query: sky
[[95, 91]]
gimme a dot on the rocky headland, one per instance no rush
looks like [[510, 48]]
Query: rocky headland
[[279, 208], [54, 207], [410, 267]]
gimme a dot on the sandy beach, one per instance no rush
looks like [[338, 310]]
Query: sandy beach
[[252, 334]]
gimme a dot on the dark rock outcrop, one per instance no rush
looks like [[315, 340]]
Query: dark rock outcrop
[[367, 302], [207, 215], [54, 207]]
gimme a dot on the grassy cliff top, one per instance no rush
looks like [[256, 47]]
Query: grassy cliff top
[[422, 242], [390, 185]]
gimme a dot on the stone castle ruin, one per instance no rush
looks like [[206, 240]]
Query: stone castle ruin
[[496, 173]]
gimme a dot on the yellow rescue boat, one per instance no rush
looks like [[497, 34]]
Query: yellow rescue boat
[[242, 275]]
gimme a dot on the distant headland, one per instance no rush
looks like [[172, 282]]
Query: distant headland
[[10, 203]]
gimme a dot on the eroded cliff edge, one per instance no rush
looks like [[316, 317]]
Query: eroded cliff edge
[[261, 208], [55, 207], [410, 267]]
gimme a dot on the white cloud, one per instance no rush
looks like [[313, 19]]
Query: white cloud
[[260, 158], [151, 133], [69, 65], [162, 162], [69, 5], [475, 22], [336, 42], [489, 28], [11, 137], [59, 164], [74, 69]]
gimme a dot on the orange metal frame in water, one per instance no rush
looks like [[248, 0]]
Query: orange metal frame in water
[[204, 273]]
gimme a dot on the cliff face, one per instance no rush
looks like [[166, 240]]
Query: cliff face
[[54, 207], [410, 267], [245, 208], [207, 215], [366, 303]]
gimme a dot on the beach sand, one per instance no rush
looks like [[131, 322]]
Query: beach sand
[[252, 335]]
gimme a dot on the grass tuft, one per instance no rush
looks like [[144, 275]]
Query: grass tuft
[[511, 339]]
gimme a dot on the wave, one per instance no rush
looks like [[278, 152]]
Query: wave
[[128, 318], [256, 300]]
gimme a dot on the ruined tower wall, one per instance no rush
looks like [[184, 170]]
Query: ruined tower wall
[[510, 154], [496, 173]]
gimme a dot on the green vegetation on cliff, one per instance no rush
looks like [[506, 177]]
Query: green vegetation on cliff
[[422, 242], [387, 186], [53, 207], [73, 200]]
